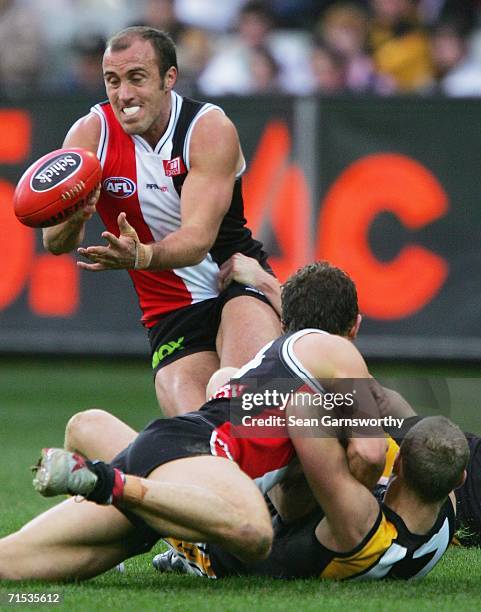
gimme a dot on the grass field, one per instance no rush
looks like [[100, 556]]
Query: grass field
[[36, 399]]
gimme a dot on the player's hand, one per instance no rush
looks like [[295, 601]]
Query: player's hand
[[242, 269], [120, 253], [87, 207]]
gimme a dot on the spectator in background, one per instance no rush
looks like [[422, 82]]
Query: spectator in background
[[462, 12], [264, 72], [193, 44], [22, 48], [211, 15], [229, 70], [86, 74], [344, 29], [194, 50], [457, 71], [297, 13], [399, 44], [160, 14], [328, 70]]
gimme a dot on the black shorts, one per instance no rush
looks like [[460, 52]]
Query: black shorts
[[194, 328], [162, 441]]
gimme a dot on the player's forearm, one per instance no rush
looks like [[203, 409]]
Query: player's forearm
[[271, 288], [186, 247], [64, 238]]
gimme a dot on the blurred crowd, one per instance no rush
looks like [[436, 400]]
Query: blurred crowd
[[245, 47]]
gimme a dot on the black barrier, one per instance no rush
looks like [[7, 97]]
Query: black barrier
[[387, 189]]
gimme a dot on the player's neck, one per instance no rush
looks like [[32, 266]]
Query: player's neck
[[418, 516], [157, 130]]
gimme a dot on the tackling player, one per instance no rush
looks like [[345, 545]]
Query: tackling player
[[188, 477]]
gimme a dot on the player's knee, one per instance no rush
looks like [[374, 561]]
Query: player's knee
[[11, 558], [80, 428], [255, 540], [218, 379]]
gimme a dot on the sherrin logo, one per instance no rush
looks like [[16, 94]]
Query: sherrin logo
[[119, 186], [55, 171]]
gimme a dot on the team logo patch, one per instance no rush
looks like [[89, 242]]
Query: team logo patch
[[55, 171], [174, 167], [119, 186]]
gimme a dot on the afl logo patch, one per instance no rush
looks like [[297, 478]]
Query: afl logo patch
[[119, 186], [55, 171]]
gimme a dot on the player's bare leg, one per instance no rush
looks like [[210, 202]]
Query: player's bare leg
[[201, 498], [247, 324], [97, 434], [223, 506], [71, 541], [180, 386]]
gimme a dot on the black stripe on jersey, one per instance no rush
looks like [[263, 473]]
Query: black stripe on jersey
[[233, 235], [168, 133], [288, 357], [189, 110]]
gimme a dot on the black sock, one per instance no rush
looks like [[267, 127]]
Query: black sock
[[102, 493]]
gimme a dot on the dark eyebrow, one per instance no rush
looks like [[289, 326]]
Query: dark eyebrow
[[132, 70]]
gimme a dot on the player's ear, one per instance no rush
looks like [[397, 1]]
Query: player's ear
[[170, 77], [462, 480], [355, 328]]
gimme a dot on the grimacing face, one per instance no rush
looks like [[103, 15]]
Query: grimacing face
[[139, 97]]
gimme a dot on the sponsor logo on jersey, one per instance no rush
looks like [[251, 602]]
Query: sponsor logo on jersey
[[174, 167], [55, 171], [156, 187], [119, 186], [165, 350]]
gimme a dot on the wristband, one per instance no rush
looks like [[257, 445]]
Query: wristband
[[143, 256]]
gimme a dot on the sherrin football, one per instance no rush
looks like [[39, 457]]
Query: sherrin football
[[54, 187]]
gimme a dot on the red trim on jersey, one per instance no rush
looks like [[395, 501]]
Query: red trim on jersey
[[255, 456], [158, 292]]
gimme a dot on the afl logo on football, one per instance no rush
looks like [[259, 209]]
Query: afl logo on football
[[119, 186], [55, 171]]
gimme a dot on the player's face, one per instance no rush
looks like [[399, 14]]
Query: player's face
[[139, 97]]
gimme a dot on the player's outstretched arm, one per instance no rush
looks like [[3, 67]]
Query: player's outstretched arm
[[215, 156], [65, 237]]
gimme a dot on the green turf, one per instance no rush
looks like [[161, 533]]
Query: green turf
[[36, 399]]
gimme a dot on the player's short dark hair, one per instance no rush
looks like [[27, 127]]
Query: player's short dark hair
[[321, 296], [162, 43], [434, 455]]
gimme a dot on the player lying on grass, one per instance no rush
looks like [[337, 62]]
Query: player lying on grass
[[189, 477], [371, 534], [356, 536], [468, 518]]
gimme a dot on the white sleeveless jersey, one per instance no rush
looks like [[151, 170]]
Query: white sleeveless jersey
[[146, 184]]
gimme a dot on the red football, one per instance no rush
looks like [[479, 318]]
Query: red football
[[55, 186]]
